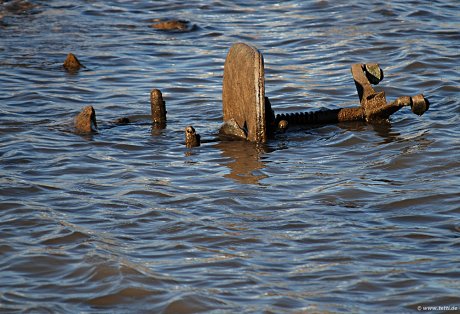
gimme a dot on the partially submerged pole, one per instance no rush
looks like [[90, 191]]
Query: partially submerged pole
[[158, 108]]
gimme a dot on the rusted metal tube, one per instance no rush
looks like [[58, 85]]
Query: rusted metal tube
[[322, 117], [158, 108]]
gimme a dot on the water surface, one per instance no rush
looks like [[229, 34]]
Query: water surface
[[329, 219]]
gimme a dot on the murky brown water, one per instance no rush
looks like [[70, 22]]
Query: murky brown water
[[349, 218]]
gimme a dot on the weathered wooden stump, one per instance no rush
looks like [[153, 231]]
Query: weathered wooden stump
[[72, 63], [85, 121], [243, 93]]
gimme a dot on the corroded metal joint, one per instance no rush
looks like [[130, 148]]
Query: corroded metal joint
[[248, 114]]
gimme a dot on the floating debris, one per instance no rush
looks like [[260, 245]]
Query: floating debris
[[172, 25], [122, 121], [17, 6]]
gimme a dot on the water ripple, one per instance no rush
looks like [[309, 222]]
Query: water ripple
[[351, 217]]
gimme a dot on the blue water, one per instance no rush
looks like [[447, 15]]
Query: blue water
[[346, 218]]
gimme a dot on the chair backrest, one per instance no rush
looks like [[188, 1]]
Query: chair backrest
[[243, 91]]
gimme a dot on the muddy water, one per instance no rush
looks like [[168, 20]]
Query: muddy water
[[329, 219]]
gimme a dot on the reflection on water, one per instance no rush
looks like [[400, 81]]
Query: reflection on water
[[385, 131], [245, 161]]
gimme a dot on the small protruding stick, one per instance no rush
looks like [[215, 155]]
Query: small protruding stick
[[158, 108], [85, 121], [191, 138], [71, 63]]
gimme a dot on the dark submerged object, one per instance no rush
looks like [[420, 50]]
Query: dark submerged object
[[171, 25], [122, 121]]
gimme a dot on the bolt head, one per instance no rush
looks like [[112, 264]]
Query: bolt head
[[374, 73], [419, 104], [282, 125]]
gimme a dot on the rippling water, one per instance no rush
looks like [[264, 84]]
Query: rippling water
[[332, 219]]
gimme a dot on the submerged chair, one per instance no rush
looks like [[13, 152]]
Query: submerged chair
[[247, 112]]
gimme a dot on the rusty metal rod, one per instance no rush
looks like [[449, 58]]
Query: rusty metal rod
[[322, 117], [419, 104]]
